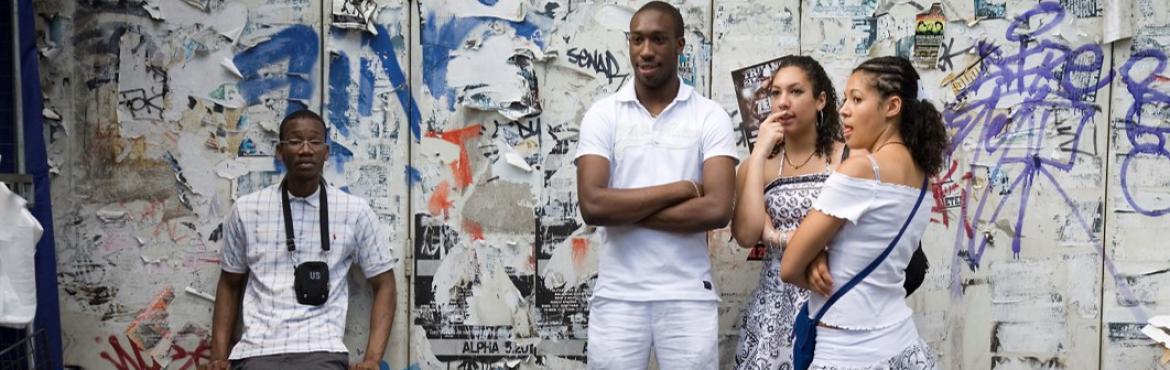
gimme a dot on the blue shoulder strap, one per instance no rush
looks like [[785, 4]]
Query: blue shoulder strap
[[877, 261]]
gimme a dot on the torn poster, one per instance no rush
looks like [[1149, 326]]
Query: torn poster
[[205, 5], [1158, 329], [751, 90], [355, 14], [153, 9], [514, 95], [864, 33], [151, 329], [468, 305], [843, 9], [928, 37], [990, 9], [1083, 8]]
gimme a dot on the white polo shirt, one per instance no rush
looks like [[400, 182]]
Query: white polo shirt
[[642, 264], [253, 243]]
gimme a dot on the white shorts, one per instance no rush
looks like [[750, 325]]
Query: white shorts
[[684, 334]]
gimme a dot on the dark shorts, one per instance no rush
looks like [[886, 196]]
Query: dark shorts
[[289, 361]]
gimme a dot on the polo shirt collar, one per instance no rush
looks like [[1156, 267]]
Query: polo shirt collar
[[628, 95], [313, 199]]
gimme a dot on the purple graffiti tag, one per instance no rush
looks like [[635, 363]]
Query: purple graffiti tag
[[1039, 86], [1146, 140], [1036, 82]]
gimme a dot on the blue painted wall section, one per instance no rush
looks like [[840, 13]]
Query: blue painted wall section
[[443, 34], [299, 44]]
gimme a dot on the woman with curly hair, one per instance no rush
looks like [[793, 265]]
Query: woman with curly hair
[[797, 147]]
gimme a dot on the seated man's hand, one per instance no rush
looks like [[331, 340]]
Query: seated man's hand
[[365, 365], [217, 364]]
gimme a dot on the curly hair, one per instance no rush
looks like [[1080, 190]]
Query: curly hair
[[828, 122], [921, 127]]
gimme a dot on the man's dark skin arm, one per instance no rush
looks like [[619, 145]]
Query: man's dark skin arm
[[605, 206], [708, 212], [381, 319], [229, 294]]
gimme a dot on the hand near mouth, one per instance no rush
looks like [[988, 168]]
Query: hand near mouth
[[771, 132]]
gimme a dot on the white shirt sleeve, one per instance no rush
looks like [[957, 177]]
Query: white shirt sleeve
[[845, 197], [234, 254], [373, 253], [595, 134], [719, 136]]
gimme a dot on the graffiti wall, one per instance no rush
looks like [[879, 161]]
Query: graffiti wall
[[457, 120]]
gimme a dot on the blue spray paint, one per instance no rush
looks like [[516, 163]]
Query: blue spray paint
[[440, 36], [413, 176], [366, 89], [299, 44], [384, 49], [338, 92], [339, 155], [1146, 140]]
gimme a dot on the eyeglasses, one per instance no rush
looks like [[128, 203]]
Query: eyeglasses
[[297, 143]]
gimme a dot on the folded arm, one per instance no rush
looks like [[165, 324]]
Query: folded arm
[[710, 211], [605, 206]]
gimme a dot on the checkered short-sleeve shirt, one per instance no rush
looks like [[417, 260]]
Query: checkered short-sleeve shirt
[[253, 243]]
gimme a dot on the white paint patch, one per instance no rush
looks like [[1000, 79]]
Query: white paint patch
[[442, 150], [1032, 337], [614, 17], [1083, 288], [1021, 280], [1118, 20], [231, 169], [111, 213]]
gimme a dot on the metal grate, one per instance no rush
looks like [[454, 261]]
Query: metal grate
[[29, 352]]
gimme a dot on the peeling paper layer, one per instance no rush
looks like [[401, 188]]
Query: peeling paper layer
[[355, 14], [512, 92], [511, 10]]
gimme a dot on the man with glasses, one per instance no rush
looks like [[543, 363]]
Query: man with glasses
[[286, 251], [641, 157]]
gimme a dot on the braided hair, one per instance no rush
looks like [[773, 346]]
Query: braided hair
[[921, 127]]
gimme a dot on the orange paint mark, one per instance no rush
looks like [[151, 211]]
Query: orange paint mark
[[461, 168], [580, 247], [473, 228], [438, 202]]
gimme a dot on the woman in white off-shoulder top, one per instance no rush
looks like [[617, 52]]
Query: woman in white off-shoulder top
[[860, 210]]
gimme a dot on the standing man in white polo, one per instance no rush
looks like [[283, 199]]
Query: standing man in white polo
[[656, 170]]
